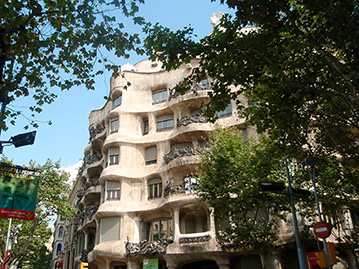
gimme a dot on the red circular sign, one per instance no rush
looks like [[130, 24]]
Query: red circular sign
[[322, 229]]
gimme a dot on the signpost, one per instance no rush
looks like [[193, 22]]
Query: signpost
[[322, 229]]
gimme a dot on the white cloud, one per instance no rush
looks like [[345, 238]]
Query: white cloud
[[73, 170]]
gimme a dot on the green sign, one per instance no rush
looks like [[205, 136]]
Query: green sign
[[18, 191], [150, 264]]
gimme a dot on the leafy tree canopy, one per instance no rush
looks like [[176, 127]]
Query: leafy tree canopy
[[247, 218], [29, 237], [295, 61], [46, 44]]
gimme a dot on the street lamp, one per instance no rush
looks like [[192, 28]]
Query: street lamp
[[20, 140]]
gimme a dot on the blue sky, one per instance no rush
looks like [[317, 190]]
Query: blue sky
[[68, 135]]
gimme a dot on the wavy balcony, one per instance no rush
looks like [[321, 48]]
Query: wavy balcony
[[147, 248], [194, 238]]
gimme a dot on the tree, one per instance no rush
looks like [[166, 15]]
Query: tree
[[57, 44], [296, 63], [30, 236], [248, 219], [229, 175]]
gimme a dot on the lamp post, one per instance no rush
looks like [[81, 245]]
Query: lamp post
[[310, 163]]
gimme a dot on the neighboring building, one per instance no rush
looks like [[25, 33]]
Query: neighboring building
[[58, 243]]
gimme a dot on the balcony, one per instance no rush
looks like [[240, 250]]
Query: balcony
[[194, 238], [95, 131], [88, 213], [147, 248], [91, 158], [176, 153], [197, 118], [91, 183], [187, 187]]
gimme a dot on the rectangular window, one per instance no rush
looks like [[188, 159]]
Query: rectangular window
[[164, 123], [113, 190], [109, 229], [190, 225], [159, 96], [114, 124], [151, 155], [159, 229], [155, 188], [117, 101], [113, 156], [227, 112], [145, 127]]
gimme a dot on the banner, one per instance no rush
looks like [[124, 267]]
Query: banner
[[18, 191]]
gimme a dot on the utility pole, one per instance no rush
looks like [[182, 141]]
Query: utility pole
[[294, 213], [310, 162]]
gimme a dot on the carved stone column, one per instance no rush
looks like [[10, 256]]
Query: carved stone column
[[133, 265], [212, 226], [274, 260], [136, 233], [108, 264], [223, 262], [176, 221], [86, 237], [170, 263]]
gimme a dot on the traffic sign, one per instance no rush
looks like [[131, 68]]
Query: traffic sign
[[322, 229]]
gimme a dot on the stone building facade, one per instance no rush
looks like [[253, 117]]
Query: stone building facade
[[58, 243], [134, 193]]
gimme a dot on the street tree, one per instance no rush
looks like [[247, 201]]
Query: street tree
[[247, 219], [296, 62], [29, 237], [229, 175], [49, 45]]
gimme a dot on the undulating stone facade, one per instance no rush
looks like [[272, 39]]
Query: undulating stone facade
[[135, 192]]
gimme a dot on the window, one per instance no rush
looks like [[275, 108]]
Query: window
[[154, 188], [159, 96], [117, 101], [80, 243], [109, 229], [182, 145], [113, 156], [145, 127], [190, 184], [190, 225], [61, 231], [203, 85], [159, 229], [164, 123], [151, 155], [227, 112], [113, 190], [59, 248], [114, 123], [193, 220], [71, 232]]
